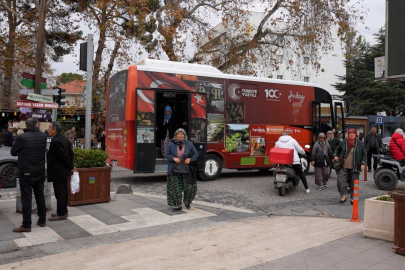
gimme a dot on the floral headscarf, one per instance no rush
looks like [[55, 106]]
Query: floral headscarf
[[176, 141]]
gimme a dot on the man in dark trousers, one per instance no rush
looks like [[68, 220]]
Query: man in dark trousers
[[30, 148], [60, 167], [373, 143]]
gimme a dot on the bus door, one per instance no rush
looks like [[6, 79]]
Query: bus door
[[339, 120], [316, 120], [197, 126], [145, 131], [322, 118]]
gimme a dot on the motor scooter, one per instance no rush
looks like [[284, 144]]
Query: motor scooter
[[285, 179]]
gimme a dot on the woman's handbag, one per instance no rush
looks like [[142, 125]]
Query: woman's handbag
[[337, 165], [181, 168], [192, 175]]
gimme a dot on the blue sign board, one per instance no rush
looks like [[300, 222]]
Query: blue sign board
[[379, 120]]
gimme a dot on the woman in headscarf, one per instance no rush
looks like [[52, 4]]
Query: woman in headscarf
[[354, 156], [321, 160], [180, 150], [332, 140], [169, 125]]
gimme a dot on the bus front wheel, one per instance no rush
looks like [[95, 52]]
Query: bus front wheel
[[212, 169]]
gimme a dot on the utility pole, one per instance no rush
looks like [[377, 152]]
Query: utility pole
[[89, 90]]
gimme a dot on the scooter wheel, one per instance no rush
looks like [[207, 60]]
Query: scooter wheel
[[282, 190]]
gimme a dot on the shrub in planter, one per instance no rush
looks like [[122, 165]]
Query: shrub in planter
[[379, 218], [95, 177], [88, 158]]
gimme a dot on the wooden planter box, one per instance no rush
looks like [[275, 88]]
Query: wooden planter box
[[94, 186], [399, 239], [379, 219]]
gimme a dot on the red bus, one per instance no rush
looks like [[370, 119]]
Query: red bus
[[232, 120]]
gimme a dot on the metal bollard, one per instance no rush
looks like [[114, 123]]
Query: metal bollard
[[355, 215]]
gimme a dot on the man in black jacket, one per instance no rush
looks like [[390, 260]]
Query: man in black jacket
[[30, 148], [373, 144], [8, 136], [60, 167]]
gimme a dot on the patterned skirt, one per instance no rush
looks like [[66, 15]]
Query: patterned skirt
[[345, 181], [322, 174], [176, 185]]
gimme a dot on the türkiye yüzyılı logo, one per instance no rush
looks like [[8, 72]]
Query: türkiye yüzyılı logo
[[235, 92]]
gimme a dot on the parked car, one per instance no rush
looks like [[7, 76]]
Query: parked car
[[8, 168]]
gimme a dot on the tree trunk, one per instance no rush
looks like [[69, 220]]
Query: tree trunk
[[39, 54], [9, 61], [99, 54]]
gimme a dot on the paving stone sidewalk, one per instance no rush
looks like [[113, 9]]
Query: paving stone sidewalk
[[350, 252], [125, 218]]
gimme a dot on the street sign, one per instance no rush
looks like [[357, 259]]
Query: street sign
[[39, 115], [28, 80], [32, 77], [40, 98], [29, 83], [34, 104], [379, 120], [49, 92], [44, 92]]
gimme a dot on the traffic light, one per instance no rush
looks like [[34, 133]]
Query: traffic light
[[59, 97]]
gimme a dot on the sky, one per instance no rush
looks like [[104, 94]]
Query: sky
[[374, 20]]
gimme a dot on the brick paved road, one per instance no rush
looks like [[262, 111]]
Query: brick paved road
[[251, 190], [254, 190]]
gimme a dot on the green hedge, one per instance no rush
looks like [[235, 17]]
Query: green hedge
[[89, 158]]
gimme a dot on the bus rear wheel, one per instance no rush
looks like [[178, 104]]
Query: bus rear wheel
[[212, 169]]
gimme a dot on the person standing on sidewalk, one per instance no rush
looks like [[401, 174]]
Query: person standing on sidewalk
[[286, 141], [321, 160], [30, 148], [60, 167], [8, 136], [354, 155], [179, 150], [374, 145]]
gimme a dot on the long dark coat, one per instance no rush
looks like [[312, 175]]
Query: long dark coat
[[59, 159]]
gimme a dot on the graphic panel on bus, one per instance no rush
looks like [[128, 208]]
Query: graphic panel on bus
[[198, 118], [267, 103], [145, 116], [237, 138], [116, 98], [214, 87], [215, 129]]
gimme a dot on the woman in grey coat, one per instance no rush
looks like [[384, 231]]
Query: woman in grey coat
[[180, 150], [321, 160]]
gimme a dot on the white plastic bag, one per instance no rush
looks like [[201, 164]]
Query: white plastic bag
[[75, 183]]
